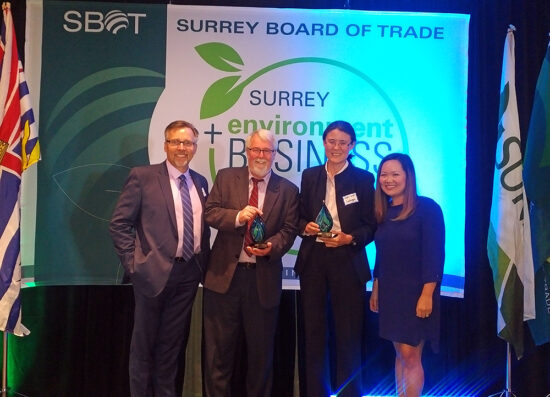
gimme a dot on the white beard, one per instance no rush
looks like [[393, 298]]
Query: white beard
[[260, 168]]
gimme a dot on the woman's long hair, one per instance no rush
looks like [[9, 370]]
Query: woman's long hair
[[410, 196]]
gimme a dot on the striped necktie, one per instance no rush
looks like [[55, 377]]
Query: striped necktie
[[188, 234]]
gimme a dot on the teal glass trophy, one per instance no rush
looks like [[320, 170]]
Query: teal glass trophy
[[257, 232], [325, 222]]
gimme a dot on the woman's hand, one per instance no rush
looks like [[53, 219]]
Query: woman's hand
[[339, 239], [312, 229], [424, 306]]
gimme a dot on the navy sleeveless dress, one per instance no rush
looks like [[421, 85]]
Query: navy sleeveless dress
[[409, 253]]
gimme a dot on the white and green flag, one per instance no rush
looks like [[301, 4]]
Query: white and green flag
[[509, 241]]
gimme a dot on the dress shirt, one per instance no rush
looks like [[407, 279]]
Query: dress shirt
[[262, 188], [174, 174], [330, 197]]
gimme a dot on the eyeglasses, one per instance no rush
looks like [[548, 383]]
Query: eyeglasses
[[177, 143], [257, 151], [335, 143]]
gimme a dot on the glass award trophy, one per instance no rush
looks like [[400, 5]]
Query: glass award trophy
[[257, 232], [324, 220]]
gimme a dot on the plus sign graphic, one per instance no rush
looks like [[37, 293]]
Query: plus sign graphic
[[212, 133]]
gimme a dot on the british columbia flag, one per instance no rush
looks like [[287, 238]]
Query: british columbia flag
[[19, 149]]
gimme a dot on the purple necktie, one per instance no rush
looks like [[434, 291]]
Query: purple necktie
[[188, 234]]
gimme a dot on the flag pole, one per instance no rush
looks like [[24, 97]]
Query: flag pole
[[5, 391], [507, 392], [4, 364]]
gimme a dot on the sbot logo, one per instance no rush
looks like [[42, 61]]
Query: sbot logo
[[95, 21]]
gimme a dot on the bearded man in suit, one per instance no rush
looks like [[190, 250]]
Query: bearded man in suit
[[243, 284], [163, 243]]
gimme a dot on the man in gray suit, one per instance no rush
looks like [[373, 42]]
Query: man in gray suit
[[160, 236], [243, 284]]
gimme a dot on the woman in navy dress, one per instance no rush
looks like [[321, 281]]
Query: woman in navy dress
[[410, 242]]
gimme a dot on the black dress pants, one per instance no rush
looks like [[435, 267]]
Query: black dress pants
[[161, 330], [330, 277], [228, 317]]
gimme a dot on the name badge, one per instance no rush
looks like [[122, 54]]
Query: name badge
[[350, 199]]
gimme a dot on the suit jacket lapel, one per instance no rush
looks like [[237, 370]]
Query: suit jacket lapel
[[344, 179], [164, 182], [271, 194], [199, 187], [202, 196], [241, 190], [320, 190]]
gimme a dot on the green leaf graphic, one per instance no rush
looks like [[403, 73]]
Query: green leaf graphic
[[220, 96], [218, 55], [223, 94]]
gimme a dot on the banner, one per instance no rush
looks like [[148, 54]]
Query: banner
[[97, 94], [509, 239], [399, 78], [535, 175]]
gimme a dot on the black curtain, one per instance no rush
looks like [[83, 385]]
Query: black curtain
[[80, 334]]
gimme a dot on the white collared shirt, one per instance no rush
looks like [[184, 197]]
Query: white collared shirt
[[330, 197]]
